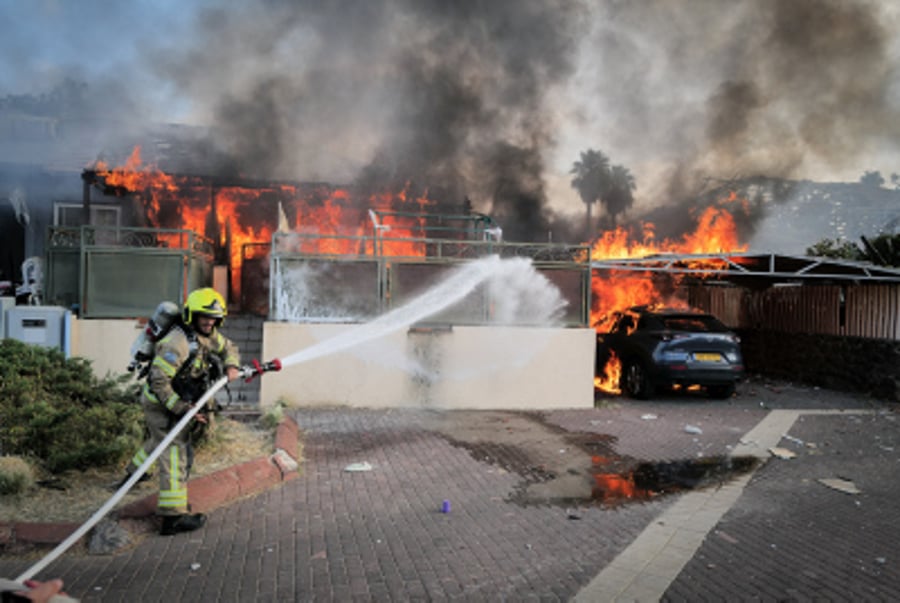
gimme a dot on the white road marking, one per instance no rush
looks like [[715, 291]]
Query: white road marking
[[648, 566]]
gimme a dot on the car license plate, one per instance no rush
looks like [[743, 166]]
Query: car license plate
[[708, 357]]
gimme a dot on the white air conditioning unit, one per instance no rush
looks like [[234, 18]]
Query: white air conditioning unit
[[47, 326]]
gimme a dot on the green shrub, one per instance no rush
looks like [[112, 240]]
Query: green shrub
[[16, 475], [55, 410], [273, 416]]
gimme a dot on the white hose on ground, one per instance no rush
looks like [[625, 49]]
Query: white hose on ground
[[102, 511]]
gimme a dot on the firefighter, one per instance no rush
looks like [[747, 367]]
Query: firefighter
[[184, 366]]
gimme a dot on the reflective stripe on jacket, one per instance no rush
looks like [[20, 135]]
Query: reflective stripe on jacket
[[172, 352]]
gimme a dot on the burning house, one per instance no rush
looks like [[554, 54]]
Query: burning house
[[317, 258], [361, 253], [241, 221], [421, 108]]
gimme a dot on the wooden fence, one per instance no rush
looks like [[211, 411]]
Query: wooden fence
[[871, 311]]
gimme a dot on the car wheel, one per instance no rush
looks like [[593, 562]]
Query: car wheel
[[636, 381], [721, 392]]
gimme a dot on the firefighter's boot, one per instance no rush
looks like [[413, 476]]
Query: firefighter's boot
[[174, 524]]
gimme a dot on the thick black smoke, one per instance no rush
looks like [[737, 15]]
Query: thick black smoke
[[446, 96], [733, 91], [494, 100]]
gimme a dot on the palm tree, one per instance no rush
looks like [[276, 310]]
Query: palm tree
[[619, 198], [592, 177], [883, 250]]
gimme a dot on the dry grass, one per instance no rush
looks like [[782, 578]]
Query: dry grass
[[76, 495]]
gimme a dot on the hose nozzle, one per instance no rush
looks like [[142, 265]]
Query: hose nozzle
[[256, 368]]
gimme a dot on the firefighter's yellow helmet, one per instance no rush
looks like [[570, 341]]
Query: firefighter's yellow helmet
[[205, 302]]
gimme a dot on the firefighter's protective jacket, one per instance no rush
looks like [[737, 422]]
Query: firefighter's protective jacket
[[182, 366]]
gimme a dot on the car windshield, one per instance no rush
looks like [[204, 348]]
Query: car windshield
[[692, 324]]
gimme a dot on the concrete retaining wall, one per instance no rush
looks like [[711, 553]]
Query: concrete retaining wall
[[462, 367], [105, 342]]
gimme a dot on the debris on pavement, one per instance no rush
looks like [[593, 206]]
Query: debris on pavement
[[782, 453], [692, 429], [285, 461], [649, 417], [726, 537], [840, 484], [108, 537], [356, 467]]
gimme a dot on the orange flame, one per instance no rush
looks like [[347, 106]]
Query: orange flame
[[244, 216], [612, 486], [617, 290], [716, 232], [608, 380], [131, 178]]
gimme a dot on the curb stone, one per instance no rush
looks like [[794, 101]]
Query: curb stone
[[205, 493]]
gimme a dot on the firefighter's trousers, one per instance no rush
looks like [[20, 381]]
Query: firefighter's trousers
[[173, 463]]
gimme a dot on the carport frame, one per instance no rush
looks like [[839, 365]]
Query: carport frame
[[754, 270]]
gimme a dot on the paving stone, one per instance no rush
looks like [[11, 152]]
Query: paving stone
[[379, 535]]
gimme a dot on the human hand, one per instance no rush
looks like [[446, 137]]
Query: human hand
[[233, 373], [199, 416], [44, 592]]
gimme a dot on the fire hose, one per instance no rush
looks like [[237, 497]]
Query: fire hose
[[246, 372]]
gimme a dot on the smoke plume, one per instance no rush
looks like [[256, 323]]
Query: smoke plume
[[446, 96], [494, 101], [712, 93]]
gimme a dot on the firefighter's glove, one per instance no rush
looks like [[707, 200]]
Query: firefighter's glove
[[200, 426], [202, 417], [182, 406]]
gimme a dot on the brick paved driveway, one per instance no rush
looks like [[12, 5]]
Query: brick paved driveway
[[380, 535]]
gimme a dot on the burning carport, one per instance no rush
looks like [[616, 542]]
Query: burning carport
[[822, 321]]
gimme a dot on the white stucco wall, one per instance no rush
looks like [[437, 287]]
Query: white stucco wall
[[105, 342], [462, 367]]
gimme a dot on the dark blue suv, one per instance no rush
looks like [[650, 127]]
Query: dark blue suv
[[668, 347]]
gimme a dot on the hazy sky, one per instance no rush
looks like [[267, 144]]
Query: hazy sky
[[459, 92]]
